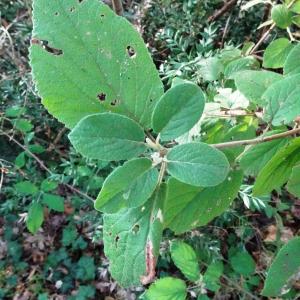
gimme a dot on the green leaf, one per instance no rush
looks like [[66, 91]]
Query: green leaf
[[244, 63], [278, 170], [188, 206], [197, 164], [130, 185], [252, 84], [296, 21], [212, 276], [293, 185], [108, 136], [276, 53], [14, 111], [131, 241], [48, 185], [243, 263], [167, 288], [257, 156], [35, 217], [285, 265], [178, 110], [292, 63], [210, 68], [281, 16], [54, 202], [283, 101], [20, 160], [26, 188], [23, 125], [185, 259], [100, 63]]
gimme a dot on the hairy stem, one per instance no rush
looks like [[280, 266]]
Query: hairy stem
[[258, 140]]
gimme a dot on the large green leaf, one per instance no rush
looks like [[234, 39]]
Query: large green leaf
[[108, 136], [130, 185], [252, 84], [292, 63], [35, 217], [131, 241], [197, 164], [185, 259], [100, 62], [278, 170], [257, 156], [281, 16], [188, 206], [167, 288], [293, 184], [283, 101], [285, 265], [276, 53], [178, 110]]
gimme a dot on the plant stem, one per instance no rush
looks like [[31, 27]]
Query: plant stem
[[259, 140], [42, 165], [118, 7]]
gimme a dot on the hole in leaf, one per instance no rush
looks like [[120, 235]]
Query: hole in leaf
[[117, 238], [72, 9], [136, 228], [56, 13], [101, 97], [102, 15], [114, 102], [131, 52], [80, 1], [45, 46], [151, 100]]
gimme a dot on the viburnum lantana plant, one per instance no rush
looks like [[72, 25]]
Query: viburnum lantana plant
[[95, 75]]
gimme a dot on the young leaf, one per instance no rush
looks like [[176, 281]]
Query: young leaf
[[26, 188], [197, 164], [278, 170], [54, 202], [293, 185], [131, 241], [257, 156], [178, 110], [167, 288], [130, 185], [185, 259], [86, 60], [292, 63], [285, 265], [243, 263], [281, 16], [108, 136], [35, 217], [276, 53], [188, 206], [283, 101], [252, 84]]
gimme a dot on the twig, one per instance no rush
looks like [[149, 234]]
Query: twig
[[219, 13], [258, 140], [43, 166], [118, 7]]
